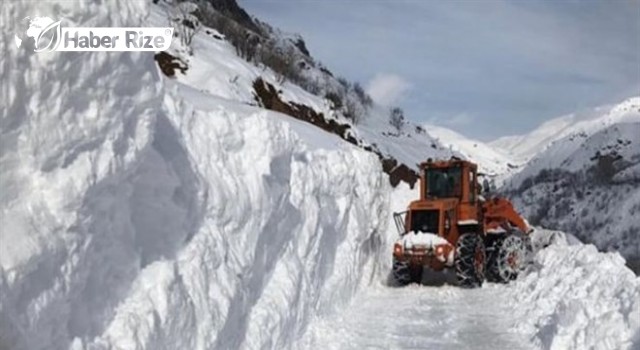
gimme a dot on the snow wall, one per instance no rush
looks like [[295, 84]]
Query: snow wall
[[574, 297], [132, 219]]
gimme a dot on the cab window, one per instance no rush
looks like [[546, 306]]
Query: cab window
[[443, 183]]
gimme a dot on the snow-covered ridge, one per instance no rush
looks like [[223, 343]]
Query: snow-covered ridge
[[587, 185], [524, 147], [583, 151], [490, 160]]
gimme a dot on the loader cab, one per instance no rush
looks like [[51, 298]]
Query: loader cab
[[454, 178], [448, 199]]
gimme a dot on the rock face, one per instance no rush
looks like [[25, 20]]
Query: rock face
[[268, 97]]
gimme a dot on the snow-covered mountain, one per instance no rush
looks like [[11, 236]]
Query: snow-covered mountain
[[578, 173], [588, 181], [523, 148], [168, 204], [491, 160]]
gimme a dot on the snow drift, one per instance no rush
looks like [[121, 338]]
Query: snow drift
[[574, 297], [135, 217], [570, 297]]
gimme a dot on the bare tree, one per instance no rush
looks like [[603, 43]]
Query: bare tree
[[364, 98], [335, 99], [344, 82], [396, 118], [182, 16], [353, 110]]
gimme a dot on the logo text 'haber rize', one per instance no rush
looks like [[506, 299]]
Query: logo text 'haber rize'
[[132, 39]]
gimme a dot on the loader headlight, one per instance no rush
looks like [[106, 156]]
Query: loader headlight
[[397, 249]]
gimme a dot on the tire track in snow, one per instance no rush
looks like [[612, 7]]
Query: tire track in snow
[[421, 317]]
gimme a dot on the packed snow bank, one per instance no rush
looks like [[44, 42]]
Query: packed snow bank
[[287, 230], [136, 218], [74, 129], [575, 297]]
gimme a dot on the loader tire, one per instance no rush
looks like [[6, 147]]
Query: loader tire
[[507, 258], [470, 260], [404, 274]]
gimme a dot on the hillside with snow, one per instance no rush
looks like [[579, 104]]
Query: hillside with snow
[[201, 201], [588, 182], [578, 173], [312, 94], [523, 148], [494, 163]]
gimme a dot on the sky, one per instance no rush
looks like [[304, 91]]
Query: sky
[[484, 68]]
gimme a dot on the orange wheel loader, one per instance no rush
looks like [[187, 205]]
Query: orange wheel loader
[[452, 226]]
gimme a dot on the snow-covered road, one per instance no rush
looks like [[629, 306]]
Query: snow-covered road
[[431, 316], [570, 297]]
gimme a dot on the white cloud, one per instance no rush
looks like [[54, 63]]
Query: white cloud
[[387, 89]]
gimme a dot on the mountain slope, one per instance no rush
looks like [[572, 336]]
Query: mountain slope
[[312, 89], [525, 147], [588, 183], [578, 173], [490, 160]]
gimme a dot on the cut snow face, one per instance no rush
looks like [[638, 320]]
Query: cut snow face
[[145, 216]]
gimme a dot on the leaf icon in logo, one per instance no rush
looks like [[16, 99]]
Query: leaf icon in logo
[[54, 40]]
